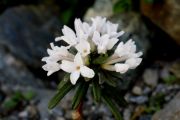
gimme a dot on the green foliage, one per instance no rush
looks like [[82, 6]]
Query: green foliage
[[105, 77], [170, 79], [66, 15], [80, 94], [101, 59], [13, 101], [112, 107], [64, 80], [96, 90], [156, 103], [62, 91], [115, 94], [29, 95], [122, 6]]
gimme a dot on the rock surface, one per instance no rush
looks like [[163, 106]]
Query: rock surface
[[26, 31], [14, 72], [100, 8], [166, 15], [170, 112], [151, 77]]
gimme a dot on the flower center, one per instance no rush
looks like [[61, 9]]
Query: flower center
[[78, 68], [85, 51]]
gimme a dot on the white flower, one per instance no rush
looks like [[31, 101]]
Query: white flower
[[51, 67], [111, 29], [83, 47], [82, 29], [133, 62], [103, 42], [122, 68], [58, 53], [68, 36], [128, 49], [124, 58], [97, 23], [90, 40], [76, 68]]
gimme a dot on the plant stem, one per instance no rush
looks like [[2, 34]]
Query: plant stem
[[77, 114]]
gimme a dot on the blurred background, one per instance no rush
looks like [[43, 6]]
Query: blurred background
[[27, 27]]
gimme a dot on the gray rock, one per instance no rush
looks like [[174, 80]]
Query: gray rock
[[137, 90], [138, 99], [14, 72], [127, 114], [151, 77], [26, 31], [100, 8], [145, 117], [170, 112]]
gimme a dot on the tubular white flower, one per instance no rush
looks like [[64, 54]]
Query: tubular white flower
[[133, 62], [97, 23], [122, 68], [90, 40], [101, 42], [76, 68], [124, 57], [80, 30], [51, 67], [83, 47], [68, 36], [111, 29], [58, 53]]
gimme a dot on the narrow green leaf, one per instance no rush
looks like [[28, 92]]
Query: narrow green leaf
[[116, 95], [103, 77], [80, 94], [60, 94], [96, 90], [115, 75], [101, 59], [64, 80], [112, 107]]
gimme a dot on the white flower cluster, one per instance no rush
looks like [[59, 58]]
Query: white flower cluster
[[99, 36]]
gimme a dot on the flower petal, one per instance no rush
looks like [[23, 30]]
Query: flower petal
[[83, 47], [122, 68], [111, 43], [87, 72], [51, 67], [78, 60], [68, 36], [74, 77], [68, 66], [96, 37], [133, 62]]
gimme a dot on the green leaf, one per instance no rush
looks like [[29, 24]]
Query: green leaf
[[101, 59], [119, 99], [66, 15], [106, 78], [80, 94], [9, 104], [115, 75], [64, 80], [122, 6], [60, 94], [116, 95], [29, 95], [96, 89], [112, 107]]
